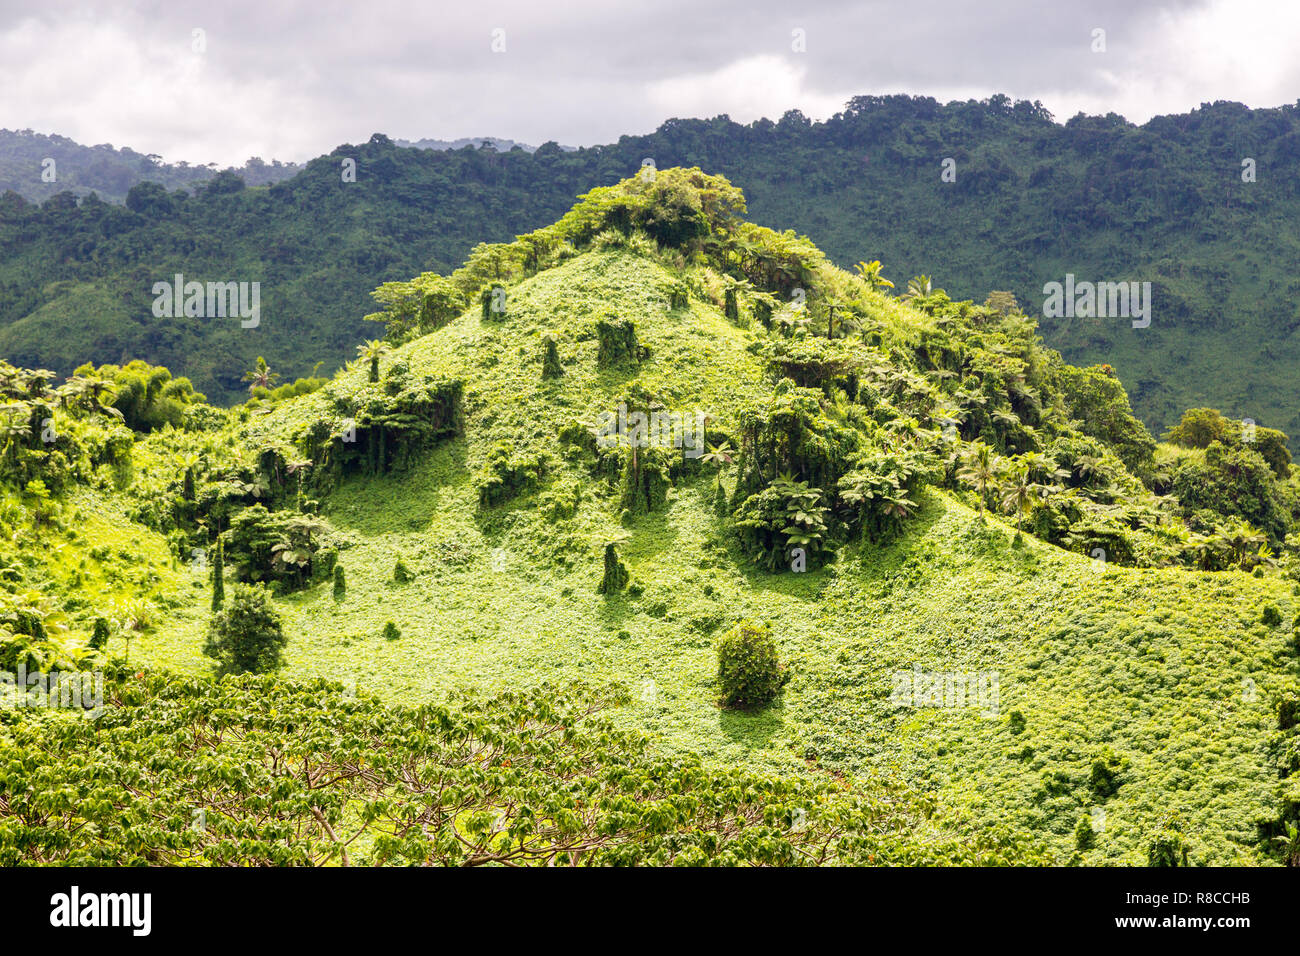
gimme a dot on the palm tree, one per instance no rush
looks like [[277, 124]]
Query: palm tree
[[102, 391], [870, 272], [40, 504], [980, 469], [1244, 539], [261, 376], [918, 287], [1042, 466], [844, 326], [793, 321], [299, 468], [1290, 844], [371, 351], [12, 383], [70, 392], [896, 506], [306, 525], [36, 381], [14, 432], [1018, 492], [721, 456], [1089, 467], [188, 464]]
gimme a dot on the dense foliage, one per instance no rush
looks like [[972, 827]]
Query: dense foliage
[[741, 431], [1033, 200], [246, 636], [249, 772]]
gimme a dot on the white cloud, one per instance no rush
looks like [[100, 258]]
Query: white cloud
[[293, 79], [1240, 50], [746, 90]]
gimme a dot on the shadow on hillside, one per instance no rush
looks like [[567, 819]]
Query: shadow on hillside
[[615, 610], [876, 558], [652, 535], [752, 728], [404, 500]]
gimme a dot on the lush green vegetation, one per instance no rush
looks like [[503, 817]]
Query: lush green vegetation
[[1033, 200], [291, 774], [991, 603]]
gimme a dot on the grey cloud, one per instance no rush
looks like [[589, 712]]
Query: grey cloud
[[293, 79]]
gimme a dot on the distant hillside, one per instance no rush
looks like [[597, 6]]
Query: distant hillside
[[501, 145], [104, 170], [110, 172], [1032, 201]]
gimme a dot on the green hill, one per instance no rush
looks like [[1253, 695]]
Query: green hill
[[1032, 201], [998, 615]]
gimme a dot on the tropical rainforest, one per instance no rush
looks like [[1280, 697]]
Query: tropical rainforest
[[981, 195], [648, 534]]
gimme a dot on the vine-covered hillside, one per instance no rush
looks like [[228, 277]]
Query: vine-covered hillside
[[994, 619]]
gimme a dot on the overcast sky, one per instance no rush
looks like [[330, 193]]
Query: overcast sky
[[291, 79]]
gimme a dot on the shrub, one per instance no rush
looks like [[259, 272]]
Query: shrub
[[1106, 771], [1016, 722], [391, 631], [729, 305], [218, 577], [493, 303], [508, 475], [647, 476], [146, 396], [551, 367], [1272, 617], [401, 573], [748, 670], [1084, 837], [616, 576], [340, 582], [1288, 712], [720, 506], [785, 515], [1167, 849], [561, 503], [247, 636], [99, 636], [273, 545], [617, 342], [390, 432]]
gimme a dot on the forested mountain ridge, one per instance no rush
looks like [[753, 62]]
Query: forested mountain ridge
[[1030, 202]]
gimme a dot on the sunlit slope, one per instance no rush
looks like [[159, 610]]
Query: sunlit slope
[[1169, 669]]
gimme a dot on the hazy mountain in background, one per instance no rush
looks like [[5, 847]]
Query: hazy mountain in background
[[476, 142], [110, 172]]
